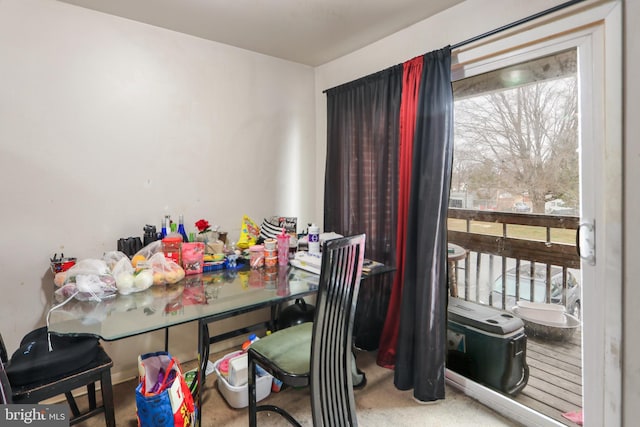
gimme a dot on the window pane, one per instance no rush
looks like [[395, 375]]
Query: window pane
[[516, 138]]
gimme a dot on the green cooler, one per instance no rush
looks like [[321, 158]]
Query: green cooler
[[487, 345]]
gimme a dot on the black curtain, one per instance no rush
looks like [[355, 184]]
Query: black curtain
[[361, 196], [361, 187], [421, 348]]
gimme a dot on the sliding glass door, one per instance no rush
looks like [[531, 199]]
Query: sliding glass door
[[535, 172]]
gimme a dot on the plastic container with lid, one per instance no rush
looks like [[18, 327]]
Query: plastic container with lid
[[270, 244], [237, 397], [270, 253], [256, 256], [172, 248]]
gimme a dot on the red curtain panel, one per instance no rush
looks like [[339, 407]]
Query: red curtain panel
[[412, 73]]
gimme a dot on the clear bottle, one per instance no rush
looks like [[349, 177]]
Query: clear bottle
[[164, 230], [314, 239], [181, 229]]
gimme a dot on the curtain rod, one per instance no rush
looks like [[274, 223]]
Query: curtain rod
[[516, 23], [507, 27]]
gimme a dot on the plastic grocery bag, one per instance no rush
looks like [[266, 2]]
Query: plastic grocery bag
[[130, 280], [88, 280], [164, 270], [146, 253], [162, 396], [112, 258]]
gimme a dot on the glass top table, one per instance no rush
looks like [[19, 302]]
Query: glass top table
[[212, 295], [204, 298]]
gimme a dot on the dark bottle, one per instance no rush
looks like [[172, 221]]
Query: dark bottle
[[166, 226], [150, 234], [181, 229]]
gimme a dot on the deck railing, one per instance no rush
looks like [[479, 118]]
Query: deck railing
[[499, 241]]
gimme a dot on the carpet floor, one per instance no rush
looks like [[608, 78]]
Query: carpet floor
[[379, 403]]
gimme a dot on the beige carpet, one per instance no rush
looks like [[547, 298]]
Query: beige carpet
[[379, 403]]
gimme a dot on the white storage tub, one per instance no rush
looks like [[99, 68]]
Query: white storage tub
[[543, 312], [238, 397], [535, 327]]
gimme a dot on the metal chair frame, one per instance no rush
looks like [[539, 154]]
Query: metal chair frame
[[98, 370], [330, 375]]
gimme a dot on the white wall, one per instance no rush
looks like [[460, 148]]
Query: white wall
[[107, 124]]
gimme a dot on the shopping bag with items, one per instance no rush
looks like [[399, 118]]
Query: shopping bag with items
[[163, 398]]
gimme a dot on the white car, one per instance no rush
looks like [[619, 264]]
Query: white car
[[521, 207], [557, 207]]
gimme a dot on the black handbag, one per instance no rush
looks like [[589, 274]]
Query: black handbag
[[33, 361], [296, 313]]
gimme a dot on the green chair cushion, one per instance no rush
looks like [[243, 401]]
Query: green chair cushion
[[289, 349]]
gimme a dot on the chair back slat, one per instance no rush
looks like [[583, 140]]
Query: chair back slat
[[4, 356], [5, 387], [331, 388]]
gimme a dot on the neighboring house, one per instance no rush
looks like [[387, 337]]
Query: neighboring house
[[461, 199]]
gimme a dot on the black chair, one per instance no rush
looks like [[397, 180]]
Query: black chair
[[34, 373], [5, 388], [319, 353]]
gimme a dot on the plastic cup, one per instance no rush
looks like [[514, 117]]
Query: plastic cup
[[283, 249], [256, 254]]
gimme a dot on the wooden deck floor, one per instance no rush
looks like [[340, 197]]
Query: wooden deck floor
[[555, 377]]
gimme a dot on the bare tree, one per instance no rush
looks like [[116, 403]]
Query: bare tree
[[522, 140]]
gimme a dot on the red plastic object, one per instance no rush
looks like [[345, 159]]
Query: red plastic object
[[62, 265], [172, 248]]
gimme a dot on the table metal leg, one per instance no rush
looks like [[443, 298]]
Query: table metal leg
[[203, 359]]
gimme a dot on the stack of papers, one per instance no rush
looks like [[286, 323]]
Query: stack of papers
[[308, 262], [313, 262]]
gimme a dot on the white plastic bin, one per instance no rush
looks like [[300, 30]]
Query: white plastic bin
[[543, 312], [238, 397]]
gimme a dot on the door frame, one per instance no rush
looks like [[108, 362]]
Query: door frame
[[597, 33]]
